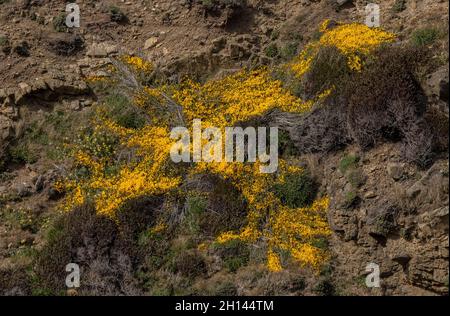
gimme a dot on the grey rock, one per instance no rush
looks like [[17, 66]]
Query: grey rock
[[151, 42], [414, 190], [39, 183], [381, 220], [437, 84], [396, 171], [370, 195]]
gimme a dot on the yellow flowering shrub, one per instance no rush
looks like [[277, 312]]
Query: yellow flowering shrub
[[137, 63], [143, 175], [236, 98], [292, 230], [353, 40]]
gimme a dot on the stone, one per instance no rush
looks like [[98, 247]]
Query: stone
[[72, 292], [38, 85], [370, 195], [381, 220], [23, 189], [396, 171], [6, 129], [151, 42], [437, 84], [97, 50], [110, 49], [24, 86], [218, 44], [414, 190], [401, 258], [86, 103], [39, 183], [75, 105]]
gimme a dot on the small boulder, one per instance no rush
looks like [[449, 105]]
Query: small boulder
[[396, 171], [97, 50], [151, 42], [437, 84], [382, 221]]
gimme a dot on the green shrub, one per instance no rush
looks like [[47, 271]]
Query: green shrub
[[327, 70], [116, 14], [234, 253], [98, 143], [321, 243], [207, 3], [131, 120], [348, 162], [286, 145], [351, 199], [22, 153], [356, 178], [325, 288], [399, 6], [124, 113], [424, 37], [189, 264], [275, 34], [233, 264], [298, 190], [196, 206], [59, 23], [5, 45], [289, 51], [271, 51]]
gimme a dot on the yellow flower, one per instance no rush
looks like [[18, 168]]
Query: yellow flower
[[352, 40], [273, 261], [137, 63]]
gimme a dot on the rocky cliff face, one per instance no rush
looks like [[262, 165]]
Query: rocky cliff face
[[395, 216], [383, 210]]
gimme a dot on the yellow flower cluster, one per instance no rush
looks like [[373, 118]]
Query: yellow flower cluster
[[144, 175], [137, 63], [273, 261], [292, 230], [236, 98], [353, 40], [94, 79]]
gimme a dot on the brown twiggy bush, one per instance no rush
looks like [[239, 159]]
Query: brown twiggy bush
[[386, 102], [106, 250]]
